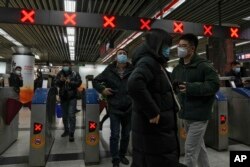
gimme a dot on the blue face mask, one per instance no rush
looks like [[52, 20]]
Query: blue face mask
[[121, 58], [166, 51], [65, 68], [237, 69]]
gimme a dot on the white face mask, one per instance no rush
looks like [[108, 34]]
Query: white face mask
[[181, 52], [18, 72]]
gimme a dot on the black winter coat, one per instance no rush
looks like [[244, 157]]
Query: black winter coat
[[15, 81], [119, 102], [68, 91], [154, 145]]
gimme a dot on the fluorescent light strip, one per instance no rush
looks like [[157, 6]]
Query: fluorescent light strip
[[1, 57], [8, 37], [242, 43], [70, 6], [246, 18], [201, 53]]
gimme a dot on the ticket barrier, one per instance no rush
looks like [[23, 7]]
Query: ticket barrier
[[216, 135], [91, 135], [9, 117], [42, 128], [239, 113]]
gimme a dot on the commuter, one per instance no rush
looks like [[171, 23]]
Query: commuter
[[154, 121], [16, 79], [197, 82], [68, 81], [237, 72], [112, 83], [38, 83]]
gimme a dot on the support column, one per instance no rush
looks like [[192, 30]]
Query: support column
[[24, 58], [221, 53]]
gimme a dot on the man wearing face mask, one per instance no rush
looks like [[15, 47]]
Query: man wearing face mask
[[112, 83], [16, 79], [237, 73], [68, 81], [154, 121], [197, 84]]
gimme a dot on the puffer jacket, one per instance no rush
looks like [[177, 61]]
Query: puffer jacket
[[68, 91], [202, 83], [119, 102], [154, 145]]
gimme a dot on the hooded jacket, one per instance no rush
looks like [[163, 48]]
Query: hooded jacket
[[153, 144], [202, 83]]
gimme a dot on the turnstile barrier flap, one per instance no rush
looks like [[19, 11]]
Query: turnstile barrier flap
[[40, 96], [91, 96], [12, 108], [243, 91]]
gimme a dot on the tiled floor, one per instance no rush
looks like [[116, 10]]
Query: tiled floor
[[20, 149]]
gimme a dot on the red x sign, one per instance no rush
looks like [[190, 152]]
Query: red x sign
[[207, 30], [28, 16], [92, 126], [109, 21], [37, 128], [178, 27], [69, 19], [234, 32], [145, 24]]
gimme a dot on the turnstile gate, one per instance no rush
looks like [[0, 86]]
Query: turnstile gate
[[216, 135], [42, 128]]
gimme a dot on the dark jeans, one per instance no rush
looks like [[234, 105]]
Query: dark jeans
[[115, 121], [69, 118]]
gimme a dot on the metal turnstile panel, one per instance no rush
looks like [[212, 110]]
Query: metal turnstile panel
[[42, 129], [91, 142]]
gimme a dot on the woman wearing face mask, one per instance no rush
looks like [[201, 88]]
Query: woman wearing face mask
[[237, 73], [112, 83], [16, 79], [154, 123]]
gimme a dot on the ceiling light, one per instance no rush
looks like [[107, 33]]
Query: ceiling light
[[65, 39], [70, 5], [246, 18], [70, 30], [1, 57], [71, 38], [242, 43], [71, 48], [201, 53], [8, 37], [37, 57]]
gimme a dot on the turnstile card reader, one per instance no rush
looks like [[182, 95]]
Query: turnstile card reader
[[91, 136], [42, 126], [216, 135]]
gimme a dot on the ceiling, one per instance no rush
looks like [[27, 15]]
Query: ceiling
[[48, 41]]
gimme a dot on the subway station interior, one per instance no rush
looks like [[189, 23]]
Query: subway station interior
[[39, 35]]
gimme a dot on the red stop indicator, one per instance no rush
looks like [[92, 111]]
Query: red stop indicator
[[27, 16], [69, 19], [234, 32], [178, 27], [92, 126], [38, 127], [109, 21], [207, 30], [145, 24]]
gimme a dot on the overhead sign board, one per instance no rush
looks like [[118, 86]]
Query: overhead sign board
[[89, 20]]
